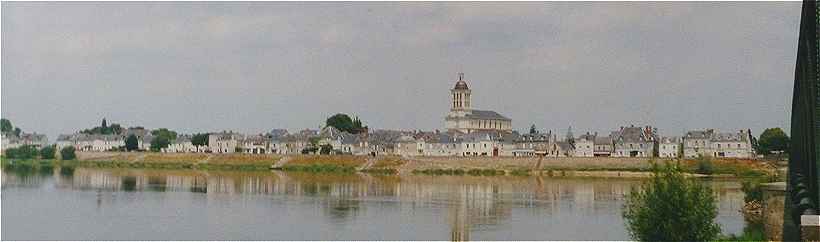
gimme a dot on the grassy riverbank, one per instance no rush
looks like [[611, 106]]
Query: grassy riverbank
[[394, 165]]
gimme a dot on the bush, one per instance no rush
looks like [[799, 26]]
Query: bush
[[753, 191], [671, 207], [47, 152], [705, 165], [67, 153], [24, 152]]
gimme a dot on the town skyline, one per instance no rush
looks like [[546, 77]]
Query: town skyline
[[217, 67]]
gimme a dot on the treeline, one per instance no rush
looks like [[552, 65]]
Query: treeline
[[28, 152]]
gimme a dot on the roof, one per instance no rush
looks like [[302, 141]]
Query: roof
[[461, 84], [486, 114], [700, 134], [603, 140], [563, 145], [724, 137]]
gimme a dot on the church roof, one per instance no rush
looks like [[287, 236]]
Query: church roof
[[461, 85], [486, 114]]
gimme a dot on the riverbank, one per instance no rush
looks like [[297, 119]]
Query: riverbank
[[395, 165]]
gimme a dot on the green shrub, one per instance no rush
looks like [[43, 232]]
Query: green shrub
[[705, 165], [67, 153], [23, 152], [753, 191], [47, 152], [670, 207]]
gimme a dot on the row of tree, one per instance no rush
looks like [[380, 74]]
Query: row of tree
[[27, 152]]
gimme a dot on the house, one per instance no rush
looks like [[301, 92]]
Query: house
[[10, 140], [223, 142], [697, 143], [635, 142], [442, 144], [534, 144], [355, 144], [479, 144], [256, 144], [669, 147], [383, 142], [292, 143], [406, 145], [709, 142], [732, 145], [182, 144], [562, 149], [603, 146], [584, 146]]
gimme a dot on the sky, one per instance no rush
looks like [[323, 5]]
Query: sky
[[255, 66]]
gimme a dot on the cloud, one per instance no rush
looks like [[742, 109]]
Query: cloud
[[256, 66]]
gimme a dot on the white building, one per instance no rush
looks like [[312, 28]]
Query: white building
[[712, 143], [669, 147], [224, 142], [463, 118], [584, 146]]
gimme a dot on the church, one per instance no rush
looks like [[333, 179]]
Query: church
[[462, 118]]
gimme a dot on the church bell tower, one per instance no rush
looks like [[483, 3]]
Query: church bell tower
[[460, 96]]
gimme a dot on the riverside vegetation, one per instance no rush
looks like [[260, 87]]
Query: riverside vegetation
[[394, 165]]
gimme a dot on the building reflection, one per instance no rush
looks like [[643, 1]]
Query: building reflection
[[470, 203]]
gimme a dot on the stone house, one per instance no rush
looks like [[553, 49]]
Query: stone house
[[635, 142], [256, 144], [182, 144], [669, 147], [584, 146], [223, 142], [534, 144], [603, 146], [697, 142], [479, 144], [9, 140], [732, 145]]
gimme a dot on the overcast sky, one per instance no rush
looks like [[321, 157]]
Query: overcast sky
[[252, 67]]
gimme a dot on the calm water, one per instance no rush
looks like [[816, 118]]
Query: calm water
[[123, 204]]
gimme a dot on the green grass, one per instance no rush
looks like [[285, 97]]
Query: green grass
[[381, 171], [319, 168], [460, 172]]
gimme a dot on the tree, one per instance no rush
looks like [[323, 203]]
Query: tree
[[104, 124], [159, 143], [131, 143], [200, 139], [533, 130], [343, 122], [67, 153], [169, 135], [17, 132], [671, 207], [47, 152], [325, 149], [5, 126], [773, 140]]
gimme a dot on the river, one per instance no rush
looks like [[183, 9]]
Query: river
[[134, 204]]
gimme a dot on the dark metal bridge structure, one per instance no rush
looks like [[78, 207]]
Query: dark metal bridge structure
[[803, 182]]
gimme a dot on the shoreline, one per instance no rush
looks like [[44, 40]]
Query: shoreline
[[582, 167]]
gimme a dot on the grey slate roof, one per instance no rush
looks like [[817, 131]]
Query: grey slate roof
[[486, 114], [603, 140]]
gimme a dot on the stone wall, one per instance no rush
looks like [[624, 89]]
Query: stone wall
[[774, 199]]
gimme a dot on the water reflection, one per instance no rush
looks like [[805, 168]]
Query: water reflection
[[470, 207]]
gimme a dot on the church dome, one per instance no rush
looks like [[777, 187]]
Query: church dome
[[461, 84]]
